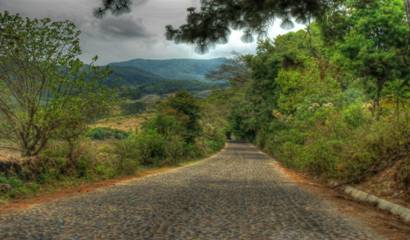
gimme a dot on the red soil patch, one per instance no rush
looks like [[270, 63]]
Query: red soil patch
[[21, 204], [385, 185]]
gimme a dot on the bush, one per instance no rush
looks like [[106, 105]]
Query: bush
[[102, 133], [375, 147], [215, 144], [354, 115], [150, 146], [19, 188], [175, 150], [165, 125], [128, 155]]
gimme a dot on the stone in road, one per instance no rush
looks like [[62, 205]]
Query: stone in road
[[236, 194]]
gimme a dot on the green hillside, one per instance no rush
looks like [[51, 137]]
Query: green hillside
[[174, 69], [139, 77], [131, 76]]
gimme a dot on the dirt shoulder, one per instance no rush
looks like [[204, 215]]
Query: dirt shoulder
[[389, 226], [65, 192], [385, 185]]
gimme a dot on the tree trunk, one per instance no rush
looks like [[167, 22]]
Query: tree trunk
[[377, 105], [407, 9]]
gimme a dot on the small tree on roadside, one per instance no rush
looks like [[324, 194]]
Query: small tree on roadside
[[43, 84], [187, 111]]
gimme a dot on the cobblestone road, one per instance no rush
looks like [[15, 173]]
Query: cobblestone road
[[234, 195]]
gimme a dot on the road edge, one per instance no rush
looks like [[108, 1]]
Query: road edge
[[68, 192], [382, 204]]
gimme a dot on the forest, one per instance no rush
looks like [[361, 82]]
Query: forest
[[333, 99]]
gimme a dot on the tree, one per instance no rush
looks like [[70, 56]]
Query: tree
[[374, 40], [398, 91], [42, 82], [185, 108], [116, 7], [214, 21], [407, 8]]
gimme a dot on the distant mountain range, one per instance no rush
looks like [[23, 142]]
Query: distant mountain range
[[145, 71]]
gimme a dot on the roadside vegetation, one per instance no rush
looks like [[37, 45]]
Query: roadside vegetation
[[333, 100], [63, 125]]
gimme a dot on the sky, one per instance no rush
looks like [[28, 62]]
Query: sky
[[138, 34]]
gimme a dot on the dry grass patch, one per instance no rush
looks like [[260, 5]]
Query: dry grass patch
[[123, 123]]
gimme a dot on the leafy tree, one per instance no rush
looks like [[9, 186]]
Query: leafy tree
[[407, 8], [44, 88], [185, 108], [166, 125], [374, 41], [214, 21], [398, 91]]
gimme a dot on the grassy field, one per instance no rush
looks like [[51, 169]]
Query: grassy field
[[123, 123]]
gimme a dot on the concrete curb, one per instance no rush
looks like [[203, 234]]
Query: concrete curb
[[395, 209]]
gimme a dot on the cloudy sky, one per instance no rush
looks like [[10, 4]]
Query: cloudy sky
[[138, 34]]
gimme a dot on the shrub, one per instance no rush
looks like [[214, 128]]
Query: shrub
[[375, 147], [321, 156], [102, 133], [60, 162], [165, 125], [175, 150], [19, 188], [150, 147], [215, 144], [128, 155], [354, 115]]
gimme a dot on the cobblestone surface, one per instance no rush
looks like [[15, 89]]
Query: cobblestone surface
[[235, 195]]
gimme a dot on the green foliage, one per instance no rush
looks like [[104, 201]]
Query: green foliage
[[45, 90], [151, 147], [186, 109], [141, 77], [18, 187], [169, 69], [101, 133], [49, 97], [167, 137], [374, 42], [173, 134], [314, 100], [128, 156]]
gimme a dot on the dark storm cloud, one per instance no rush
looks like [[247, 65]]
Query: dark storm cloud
[[137, 34], [124, 27]]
